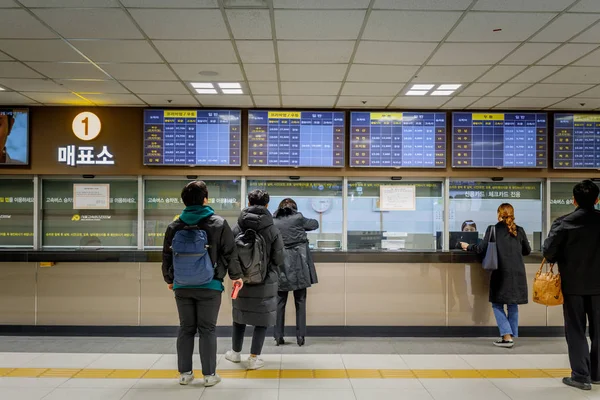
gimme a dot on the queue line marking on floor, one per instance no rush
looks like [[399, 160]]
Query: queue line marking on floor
[[289, 373]]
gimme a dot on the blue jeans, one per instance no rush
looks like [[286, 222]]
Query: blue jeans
[[508, 324]]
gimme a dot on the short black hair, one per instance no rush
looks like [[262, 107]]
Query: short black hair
[[194, 193], [258, 197], [586, 194]]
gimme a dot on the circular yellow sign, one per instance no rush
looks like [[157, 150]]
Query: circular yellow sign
[[86, 126]]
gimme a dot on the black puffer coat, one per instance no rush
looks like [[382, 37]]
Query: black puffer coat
[[257, 304], [299, 270]]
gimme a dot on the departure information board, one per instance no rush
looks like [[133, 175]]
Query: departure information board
[[296, 138], [398, 139], [499, 140], [192, 137], [576, 141]]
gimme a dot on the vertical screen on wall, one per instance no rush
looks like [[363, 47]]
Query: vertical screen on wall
[[14, 136], [16, 213], [66, 227]]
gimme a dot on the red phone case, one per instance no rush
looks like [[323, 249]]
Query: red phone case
[[236, 290]]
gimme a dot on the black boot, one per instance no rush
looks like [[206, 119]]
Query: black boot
[[300, 340], [279, 342]]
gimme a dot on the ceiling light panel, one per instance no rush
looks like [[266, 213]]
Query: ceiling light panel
[[206, 91], [202, 85], [449, 87], [442, 92], [416, 93], [232, 91], [232, 85], [422, 87]]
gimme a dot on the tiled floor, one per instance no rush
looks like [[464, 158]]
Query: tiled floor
[[311, 373]]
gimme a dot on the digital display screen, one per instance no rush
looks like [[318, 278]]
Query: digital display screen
[[499, 140], [192, 137], [296, 138], [14, 136], [576, 141], [398, 139]]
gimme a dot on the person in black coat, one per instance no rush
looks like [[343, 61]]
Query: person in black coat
[[574, 243], [298, 272], [508, 284], [256, 305]]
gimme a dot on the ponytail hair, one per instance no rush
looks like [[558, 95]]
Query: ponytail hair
[[506, 214]]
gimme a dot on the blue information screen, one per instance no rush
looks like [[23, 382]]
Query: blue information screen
[[576, 141], [296, 139], [398, 139], [192, 137], [499, 140]]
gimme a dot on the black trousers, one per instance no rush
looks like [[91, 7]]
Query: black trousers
[[258, 338], [198, 312], [300, 301], [584, 363]]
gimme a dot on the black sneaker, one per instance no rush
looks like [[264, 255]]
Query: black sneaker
[[576, 384], [504, 343]]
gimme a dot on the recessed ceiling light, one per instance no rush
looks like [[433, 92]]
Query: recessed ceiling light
[[206, 91], [442, 92], [232, 91], [1, 88], [449, 87], [422, 87], [232, 85], [208, 73], [202, 85], [416, 92]]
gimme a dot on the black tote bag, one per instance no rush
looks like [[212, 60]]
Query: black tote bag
[[490, 261]]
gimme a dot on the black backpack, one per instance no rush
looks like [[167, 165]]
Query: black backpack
[[252, 253]]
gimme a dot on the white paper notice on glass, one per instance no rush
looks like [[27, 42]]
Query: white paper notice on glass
[[91, 197], [397, 198]]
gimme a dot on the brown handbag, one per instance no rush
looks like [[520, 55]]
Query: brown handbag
[[546, 287]]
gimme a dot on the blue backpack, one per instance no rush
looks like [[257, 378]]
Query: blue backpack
[[191, 262]]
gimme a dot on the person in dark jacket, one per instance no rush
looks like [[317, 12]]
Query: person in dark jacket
[[298, 272], [508, 284], [256, 305], [199, 306], [574, 243]]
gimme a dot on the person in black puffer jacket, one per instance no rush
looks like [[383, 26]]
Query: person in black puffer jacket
[[298, 272]]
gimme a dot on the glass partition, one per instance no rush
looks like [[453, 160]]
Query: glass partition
[[162, 204], [474, 204], [388, 215], [320, 200], [16, 213], [102, 213], [561, 198]]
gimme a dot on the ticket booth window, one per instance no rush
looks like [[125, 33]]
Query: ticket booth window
[[561, 198], [16, 213]]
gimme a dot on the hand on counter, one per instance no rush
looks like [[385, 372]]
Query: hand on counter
[[464, 246]]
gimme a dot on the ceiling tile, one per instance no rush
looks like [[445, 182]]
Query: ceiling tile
[[371, 89], [575, 104], [347, 4], [591, 60], [522, 5], [113, 99], [417, 26], [225, 72], [93, 86], [575, 75], [592, 93], [181, 24], [264, 88], [163, 99], [18, 24], [587, 6], [516, 27], [458, 5], [471, 53], [529, 102], [393, 53], [460, 102], [318, 24], [14, 99], [554, 90], [267, 101], [567, 54], [478, 89], [8, 4], [70, 3], [261, 72], [529, 53], [331, 52], [40, 50], [488, 102], [256, 52], [32, 85], [225, 100], [534, 74], [4, 57], [58, 98], [10, 69], [250, 24], [364, 101], [312, 72], [119, 51], [464, 74], [140, 72], [592, 35], [310, 88], [565, 27], [308, 101], [381, 73], [88, 23], [155, 87], [420, 101], [509, 89], [501, 73], [197, 51], [68, 70], [171, 3]]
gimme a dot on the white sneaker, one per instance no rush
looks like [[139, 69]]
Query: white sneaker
[[233, 356], [255, 363], [186, 378], [211, 380]]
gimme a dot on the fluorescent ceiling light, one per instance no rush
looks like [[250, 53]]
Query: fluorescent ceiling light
[[422, 87], [206, 91], [449, 87], [233, 91], [442, 92], [416, 92], [1, 88], [202, 85], [233, 85]]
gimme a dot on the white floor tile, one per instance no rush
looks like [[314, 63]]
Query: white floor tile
[[373, 361], [247, 384], [159, 384], [386, 383], [311, 361], [435, 361], [125, 361], [525, 383], [458, 385], [24, 393], [381, 394], [16, 360], [182, 393], [85, 383], [65, 360], [32, 382], [550, 393], [87, 394], [488, 394], [272, 361], [493, 361], [315, 384], [240, 394], [547, 360], [316, 394]]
